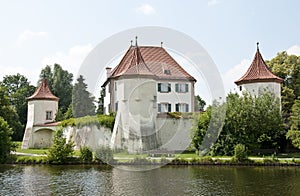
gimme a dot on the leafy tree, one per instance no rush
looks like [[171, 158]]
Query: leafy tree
[[60, 83], [294, 133], [18, 89], [8, 113], [69, 112], [100, 109], [254, 122], [5, 141], [82, 100], [199, 103], [60, 150]]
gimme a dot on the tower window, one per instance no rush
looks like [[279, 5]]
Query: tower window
[[48, 115], [241, 88], [167, 71]]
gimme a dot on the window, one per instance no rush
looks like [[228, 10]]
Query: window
[[241, 88], [167, 71], [164, 107], [164, 87], [48, 115], [182, 88], [182, 107]]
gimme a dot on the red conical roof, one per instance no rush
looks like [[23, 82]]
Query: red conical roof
[[258, 72], [43, 92]]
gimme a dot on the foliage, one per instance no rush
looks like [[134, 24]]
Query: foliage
[[9, 115], [294, 136], [255, 122], [100, 109], [5, 141], [86, 155], [60, 83], [295, 116], [60, 150], [104, 154], [82, 100], [240, 152], [199, 104], [99, 120]]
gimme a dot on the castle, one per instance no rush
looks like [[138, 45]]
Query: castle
[[145, 85]]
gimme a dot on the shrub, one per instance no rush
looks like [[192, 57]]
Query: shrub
[[60, 150], [104, 154], [86, 155], [5, 141], [240, 152]]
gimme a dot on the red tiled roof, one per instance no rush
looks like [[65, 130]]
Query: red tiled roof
[[150, 61], [258, 72], [43, 92]]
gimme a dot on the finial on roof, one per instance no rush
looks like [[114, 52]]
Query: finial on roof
[[257, 45], [161, 44], [136, 37], [131, 42]]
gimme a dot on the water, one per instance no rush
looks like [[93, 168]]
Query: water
[[169, 180]]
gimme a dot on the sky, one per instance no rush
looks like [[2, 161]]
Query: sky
[[38, 33]]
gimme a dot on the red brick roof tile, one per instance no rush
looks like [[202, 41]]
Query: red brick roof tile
[[43, 92], [151, 61], [258, 72]]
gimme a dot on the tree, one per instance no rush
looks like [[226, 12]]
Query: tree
[[100, 109], [60, 150], [18, 89], [82, 100], [253, 122], [8, 113], [199, 103], [294, 133], [60, 83], [5, 141]]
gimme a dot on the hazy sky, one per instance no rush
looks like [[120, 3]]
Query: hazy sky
[[35, 33]]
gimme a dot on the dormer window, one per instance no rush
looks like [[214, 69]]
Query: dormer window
[[49, 115], [167, 71]]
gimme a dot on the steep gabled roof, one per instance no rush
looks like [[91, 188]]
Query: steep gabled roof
[[43, 92], [258, 72], [151, 61]]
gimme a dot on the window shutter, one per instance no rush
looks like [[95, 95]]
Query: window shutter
[[159, 87], [177, 107], [169, 87], [186, 107], [159, 107], [169, 107], [176, 88], [186, 88]]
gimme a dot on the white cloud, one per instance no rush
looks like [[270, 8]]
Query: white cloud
[[27, 35], [70, 60], [234, 74], [294, 50], [146, 9], [213, 2]]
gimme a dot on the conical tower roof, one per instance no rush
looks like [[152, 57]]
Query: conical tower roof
[[258, 72], [43, 92]]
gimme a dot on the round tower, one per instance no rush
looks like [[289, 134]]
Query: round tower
[[42, 109], [259, 79]]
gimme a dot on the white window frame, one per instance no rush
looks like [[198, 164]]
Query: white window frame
[[182, 87], [164, 107], [49, 115], [182, 107]]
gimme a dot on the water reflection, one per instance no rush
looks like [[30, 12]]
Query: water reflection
[[169, 180]]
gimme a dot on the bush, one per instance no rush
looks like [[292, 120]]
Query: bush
[[104, 154], [240, 152], [86, 155], [60, 150], [5, 141]]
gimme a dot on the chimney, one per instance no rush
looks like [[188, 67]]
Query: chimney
[[108, 70]]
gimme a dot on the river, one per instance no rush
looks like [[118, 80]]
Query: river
[[168, 180]]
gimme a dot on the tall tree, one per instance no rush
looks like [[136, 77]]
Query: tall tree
[[82, 100], [199, 104], [60, 83], [8, 113], [100, 109], [18, 89], [5, 141]]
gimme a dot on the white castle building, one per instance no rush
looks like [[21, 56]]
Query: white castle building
[[42, 109], [146, 82], [259, 79]]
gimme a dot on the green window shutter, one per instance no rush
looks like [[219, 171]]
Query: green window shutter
[[169, 87], [159, 87], [176, 88], [177, 107], [169, 107], [159, 107], [186, 107]]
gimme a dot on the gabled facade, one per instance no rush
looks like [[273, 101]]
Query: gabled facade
[[259, 79], [42, 109]]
